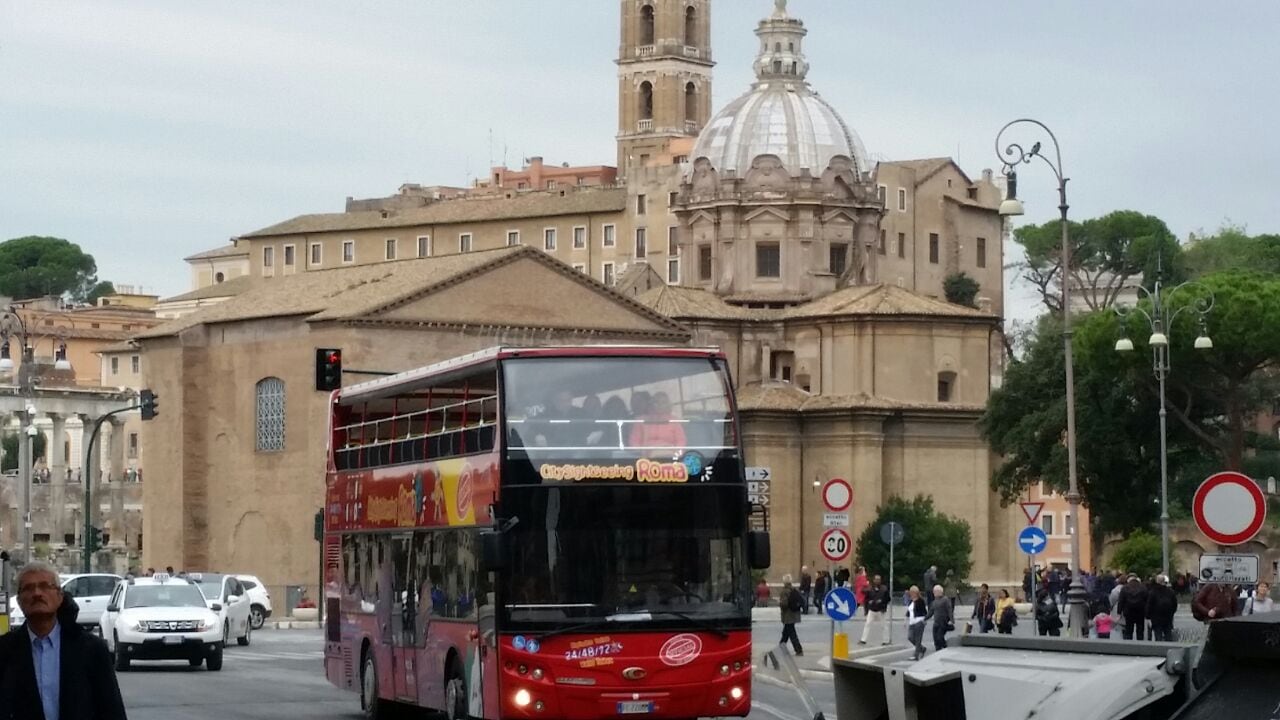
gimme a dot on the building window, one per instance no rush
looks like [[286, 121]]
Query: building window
[[642, 204], [690, 103], [115, 366], [704, 262], [579, 237], [219, 277], [946, 386], [646, 100], [768, 260], [317, 254], [881, 247], [133, 446], [551, 185], [902, 245], [902, 199], [289, 259], [270, 414], [606, 273], [580, 267], [933, 248], [673, 241], [135, 363], [391, 248], [268, 258], [464, 242], [1046, 523], [549, 239], [671, 199], [838, 258], [348, 251], [424, 246], [982, 252], [691, 27], [882, 192], [642, 243], [673, 271], [609, 236], [646, 25], [513, 238]]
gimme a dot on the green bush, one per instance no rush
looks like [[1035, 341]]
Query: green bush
[[1139, 554], [931, 539]]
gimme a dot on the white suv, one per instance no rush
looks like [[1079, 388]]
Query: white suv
[[91, 593], [162, 618], [259, 600], [226, 596]]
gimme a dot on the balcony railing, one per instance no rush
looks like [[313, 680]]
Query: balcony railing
[[644, 125], [691, 126], [690, 51], [644, 51]]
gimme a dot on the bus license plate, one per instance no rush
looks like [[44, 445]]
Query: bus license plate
[[634, 708], [172, 639]]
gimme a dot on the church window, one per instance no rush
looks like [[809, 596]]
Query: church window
[[690, 102], [270, 414], [882, 193], [673, 271], [839, 258], [946, 386], [768, 260], [115, 366], [704, 262], [579, 237], [646, 100], [549, 239], [777, 47], [673, 241], [791, 47], [793, 68], [642, 243], [392, 244], [606, 273], [691, 27], [777, 67], [933, 248], [642, 204], [135, 364], [902, 199], [219, 277], [671, 199], [608, 236], [902, 245], [646, 25], [982, 252], [464, 242], [883, 241]]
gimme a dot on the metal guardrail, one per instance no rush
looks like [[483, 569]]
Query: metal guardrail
[[782, 659]]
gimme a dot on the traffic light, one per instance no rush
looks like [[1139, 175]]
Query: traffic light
[[328, 369], [147, 400], [93, 543]]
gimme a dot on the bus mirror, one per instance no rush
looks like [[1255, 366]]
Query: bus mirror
[[758, 550], [493, 549]]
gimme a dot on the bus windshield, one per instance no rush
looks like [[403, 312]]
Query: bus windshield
[[625, 554], [616, 407]]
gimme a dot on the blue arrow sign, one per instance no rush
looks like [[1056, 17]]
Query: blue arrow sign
[[1032, 540], [840, 604]]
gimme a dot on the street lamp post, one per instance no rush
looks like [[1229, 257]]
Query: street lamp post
[[12, 324], [1161, 321], [1012, 155]]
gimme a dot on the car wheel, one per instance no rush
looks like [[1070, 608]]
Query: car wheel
[[122, 658], [257, 616], [456, 706], [214, 661], [244, 640], [195, 662], [373, 707]]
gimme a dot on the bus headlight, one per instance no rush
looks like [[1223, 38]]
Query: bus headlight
[[537, 674], [522, 698], [724, 669], [736, 693]]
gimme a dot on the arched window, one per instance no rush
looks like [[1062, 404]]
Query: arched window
[[691, 27], [690, 102], [646, 100], [777, 67], [777, 47], [269, 393], [793, 68], [646, 25], [791, 47], [946, 386]]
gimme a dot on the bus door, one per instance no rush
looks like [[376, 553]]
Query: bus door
[[404, 613]]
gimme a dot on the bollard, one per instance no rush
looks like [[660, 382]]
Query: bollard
[[840, 646]]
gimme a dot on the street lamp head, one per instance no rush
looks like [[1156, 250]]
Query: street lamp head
[[31, 410], [1011, 206], [6, 360], [1124, 344], [60, 358], [1204, 343], [32, 431], [1158, 339]]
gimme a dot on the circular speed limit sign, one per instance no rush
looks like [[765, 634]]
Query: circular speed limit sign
[[836, 545]]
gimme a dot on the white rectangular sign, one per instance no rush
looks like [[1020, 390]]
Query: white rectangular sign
[[1233, 569], [758, 473], [758, 492], [835, 520]]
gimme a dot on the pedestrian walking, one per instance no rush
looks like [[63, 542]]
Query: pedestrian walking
[[842, 577], [1132, 606], [1006, 613], [821, 585], [762, 593], [1162, 605], [930, 578], [860, 583], [1261, 601], [877, 604], [49, 667], [792, 606], [1048, 619], [943, 614], [984, 609], [806, 587], [1053, 581], [917, 611], [1102, 625], [1214, 601]]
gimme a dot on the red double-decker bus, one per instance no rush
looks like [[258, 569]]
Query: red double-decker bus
[[542, 533]]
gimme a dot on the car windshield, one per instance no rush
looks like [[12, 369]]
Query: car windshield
[[167, 595], [211, 586], [625, 554]]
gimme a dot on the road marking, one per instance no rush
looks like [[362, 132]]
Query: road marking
[[766, 707]]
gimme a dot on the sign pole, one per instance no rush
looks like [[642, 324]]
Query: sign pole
[[892, 600]]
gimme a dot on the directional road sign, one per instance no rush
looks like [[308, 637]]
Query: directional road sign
[[1229, 508], [758, 473], [1032, 540], [892, 533], [840, 604], [1032, 511], [835, 544], [758, 492], [837, 494]]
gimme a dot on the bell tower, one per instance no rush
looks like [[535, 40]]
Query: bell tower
[[664, 76]]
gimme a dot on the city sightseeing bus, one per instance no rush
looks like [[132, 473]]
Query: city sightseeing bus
[[542, 533]]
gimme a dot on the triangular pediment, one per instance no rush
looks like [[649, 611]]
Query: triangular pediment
[[777, 212], [834, 213]]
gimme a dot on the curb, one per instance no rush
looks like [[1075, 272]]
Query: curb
[[292, 625]]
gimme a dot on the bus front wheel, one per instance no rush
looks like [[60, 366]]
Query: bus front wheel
[[455, 693], [371, 705]]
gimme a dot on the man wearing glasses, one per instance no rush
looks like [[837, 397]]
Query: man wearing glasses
[[51, 669]]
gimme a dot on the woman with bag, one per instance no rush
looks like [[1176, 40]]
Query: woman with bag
[[917, 611], [1048, 619], [1006, 615]]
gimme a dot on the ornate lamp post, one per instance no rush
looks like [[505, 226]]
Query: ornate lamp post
[[1161, 320], [13, 327], [1013, 155]]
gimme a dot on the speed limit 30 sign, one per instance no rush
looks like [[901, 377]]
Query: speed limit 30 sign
[[836, 544]]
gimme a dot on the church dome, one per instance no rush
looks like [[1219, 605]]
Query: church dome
[[781, 115]]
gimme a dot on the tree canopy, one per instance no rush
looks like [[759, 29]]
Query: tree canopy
[[932, 538], [1140, 554], [1231, 248], [9, 444], [35, 266]]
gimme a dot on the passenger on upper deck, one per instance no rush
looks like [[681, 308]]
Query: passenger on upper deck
[[658, 428]]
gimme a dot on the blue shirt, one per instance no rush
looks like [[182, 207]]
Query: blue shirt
[[46, 657]]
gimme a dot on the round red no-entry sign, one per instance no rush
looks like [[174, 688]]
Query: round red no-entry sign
[[1229, 508], [837, 494]]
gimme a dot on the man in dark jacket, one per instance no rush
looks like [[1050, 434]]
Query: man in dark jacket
[[49, 666], [806, 587], [1162, 603], [1214, 602], [943, 615], [1132, 605]]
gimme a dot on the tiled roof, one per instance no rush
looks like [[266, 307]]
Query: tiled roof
[[219, 252], [230, 288], [863, 300], [684, 302], [925, 168], [780, 396], [462, 210], [358, 291]]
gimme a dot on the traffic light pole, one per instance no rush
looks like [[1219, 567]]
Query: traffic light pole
[[87, 478]]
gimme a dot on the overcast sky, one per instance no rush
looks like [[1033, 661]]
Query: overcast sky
[[147, 131]]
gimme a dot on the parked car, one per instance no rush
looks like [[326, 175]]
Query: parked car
[[91, 592], [259, 600], [163, 618], [226, 596]]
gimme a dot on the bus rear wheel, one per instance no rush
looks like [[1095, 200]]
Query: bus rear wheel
[[456, 706], [371, 705]]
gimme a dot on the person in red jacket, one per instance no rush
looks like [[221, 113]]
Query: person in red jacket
[[656, 428], [860, 583]]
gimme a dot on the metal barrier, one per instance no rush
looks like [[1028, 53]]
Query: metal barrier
[[781, 659]]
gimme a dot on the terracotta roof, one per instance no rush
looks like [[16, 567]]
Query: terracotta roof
[[126, 346], [219, 252], [926, 168], [684, 302], [462, 210], [863, 300], [357, 291], [781, 396], [230, 288]]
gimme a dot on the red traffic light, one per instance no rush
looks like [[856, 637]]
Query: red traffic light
[[333, 356]]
